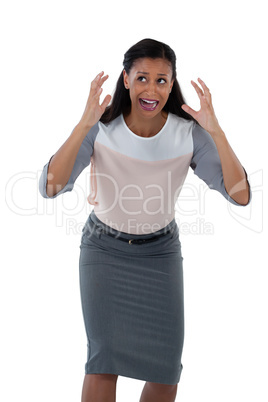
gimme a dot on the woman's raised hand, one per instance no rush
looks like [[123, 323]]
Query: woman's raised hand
[[94, 110], [205, 116]]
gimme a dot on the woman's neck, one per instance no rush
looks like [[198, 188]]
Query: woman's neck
[[146, 127]]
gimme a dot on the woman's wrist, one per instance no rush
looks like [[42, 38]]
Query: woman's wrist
[[217, 133], [82, 128]]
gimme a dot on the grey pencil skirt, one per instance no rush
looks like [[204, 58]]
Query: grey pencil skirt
[[132, 303]]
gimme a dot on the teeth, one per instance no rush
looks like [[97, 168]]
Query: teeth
[[147, 101]]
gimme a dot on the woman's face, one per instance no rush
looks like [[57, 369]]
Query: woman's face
[[149, 83]]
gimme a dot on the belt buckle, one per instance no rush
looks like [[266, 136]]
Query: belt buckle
[[134, 241]]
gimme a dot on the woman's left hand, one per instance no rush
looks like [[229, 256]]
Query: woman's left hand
[[205, 116]]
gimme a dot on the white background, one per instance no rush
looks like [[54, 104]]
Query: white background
[[51, 51]]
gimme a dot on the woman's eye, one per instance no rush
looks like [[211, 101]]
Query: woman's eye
[[160, 80]]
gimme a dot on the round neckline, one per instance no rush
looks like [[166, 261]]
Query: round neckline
[[145, 138]]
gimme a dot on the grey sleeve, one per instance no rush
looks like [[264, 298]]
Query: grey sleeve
[[206, 162], [82, 161]]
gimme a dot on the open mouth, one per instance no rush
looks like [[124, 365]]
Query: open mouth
[[148, 104]]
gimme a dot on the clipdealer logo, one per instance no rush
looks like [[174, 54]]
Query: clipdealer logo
[[190, 204]]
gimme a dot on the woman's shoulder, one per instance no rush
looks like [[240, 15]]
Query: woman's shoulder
[[111, 124], [180, 121]]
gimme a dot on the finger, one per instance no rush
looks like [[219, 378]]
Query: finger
[[189, 110], [98, 92], [94, 97], [205, 88], [99, 75], [105, 78], [95, 82], [106, 102], [198, 89]]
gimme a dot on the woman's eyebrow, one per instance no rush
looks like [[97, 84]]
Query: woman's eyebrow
[[142, 72]]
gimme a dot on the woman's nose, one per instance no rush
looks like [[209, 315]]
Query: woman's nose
[[151, 88]]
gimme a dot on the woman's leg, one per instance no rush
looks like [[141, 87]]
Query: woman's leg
[[154, 392], [99, 388]]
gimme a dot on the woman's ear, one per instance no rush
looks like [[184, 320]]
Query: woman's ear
[[126, 80], [171, 85]]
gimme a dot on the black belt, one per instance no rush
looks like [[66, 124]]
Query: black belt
[[137, 241]]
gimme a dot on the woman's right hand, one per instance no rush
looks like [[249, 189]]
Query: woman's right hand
[[94, 110]]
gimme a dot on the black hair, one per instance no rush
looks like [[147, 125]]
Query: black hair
[[146, 48]]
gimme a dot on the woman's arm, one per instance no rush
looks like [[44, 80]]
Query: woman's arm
[[62, 163], [74, 154], [234, 176]]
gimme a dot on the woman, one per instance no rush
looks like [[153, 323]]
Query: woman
[[131, 279]]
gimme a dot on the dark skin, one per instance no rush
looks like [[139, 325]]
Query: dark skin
[[147, 123], [233, 173], [150, 79], [154, 85]]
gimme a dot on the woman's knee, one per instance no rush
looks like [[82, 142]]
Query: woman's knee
[[160, 389], [103, 377]]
